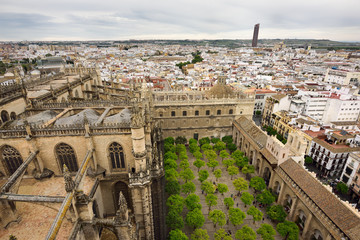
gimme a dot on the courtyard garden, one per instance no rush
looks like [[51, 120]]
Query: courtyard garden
[[213, 193]]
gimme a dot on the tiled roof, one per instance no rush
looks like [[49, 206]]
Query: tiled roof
[[253, 131], [343, 217], [335, 148]]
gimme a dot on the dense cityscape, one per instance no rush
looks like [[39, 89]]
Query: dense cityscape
[[181, 126]]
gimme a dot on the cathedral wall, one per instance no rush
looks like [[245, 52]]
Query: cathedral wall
[[47, 153], [17, 106], [101, 145]]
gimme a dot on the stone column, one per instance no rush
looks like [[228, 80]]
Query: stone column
[[307, 224], [281, 193], [293, 207]]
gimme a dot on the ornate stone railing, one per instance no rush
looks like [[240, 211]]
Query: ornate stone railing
[[65, 130], [80, 104]]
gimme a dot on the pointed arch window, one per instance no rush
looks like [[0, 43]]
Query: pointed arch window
[[66, 155], [11, 158], [117, 158]]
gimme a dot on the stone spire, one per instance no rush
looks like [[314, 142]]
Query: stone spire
[[122, 214], [69, 183]]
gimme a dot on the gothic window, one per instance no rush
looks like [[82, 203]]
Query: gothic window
[[196, 113], [207, 112], [173, 113], [231, 111], [4, 116], [184, 113], [117, 158], [11, 158], [218, 112], [66, 155]]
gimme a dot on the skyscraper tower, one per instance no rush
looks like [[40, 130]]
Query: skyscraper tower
[[256, 35]]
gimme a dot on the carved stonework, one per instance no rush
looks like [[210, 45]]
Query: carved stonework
[[82, 198], [122, 214], [69, 183], [137, 118], [139, 154]]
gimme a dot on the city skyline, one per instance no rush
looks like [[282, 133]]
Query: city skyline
[[113, 20]]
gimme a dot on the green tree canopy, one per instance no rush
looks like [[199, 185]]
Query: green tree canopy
[[198, 155], [174, 220], [210, 155], [215, 140], [187, 175], [203, 175], [217, 217], [208, 187], [217, 174], [169, 148], [194, 148], [237, 154], [180, 140], [203, 141], [308, 160], [276, 212], [180, 148], [192, 201], [247, 198], [206, 147], [188, 188], [219, 146], [211, 200], [228, 162], [183, 156], [342, 187], [245, 233], [177, 234], [169, 140], [236, 216], [223, 188], [232, 170], [212, 164], [172, 187], [170, 155], [170, 163], [175, 202], [229, 202], [258, 183], [248, 169], [221, 234], [199, 164], [231, 146], [200, 234], [184, 164], [192, 141], [255, 213], [227, 139], [288, 229], [195, 218], [266, 231], [171, 174], [240, 184], [224, 154], [266, 197]]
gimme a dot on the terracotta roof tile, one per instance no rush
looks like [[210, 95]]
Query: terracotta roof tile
[[343, 217]]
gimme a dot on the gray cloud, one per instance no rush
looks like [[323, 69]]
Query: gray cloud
[[125, 19]]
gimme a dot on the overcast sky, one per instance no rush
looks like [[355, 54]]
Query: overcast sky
[[181, 19]]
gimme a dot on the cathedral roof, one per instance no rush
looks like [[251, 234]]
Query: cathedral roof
[[79, 118], [36, 119], [122, 117]]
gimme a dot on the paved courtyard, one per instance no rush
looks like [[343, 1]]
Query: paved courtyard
[[225, 178]]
